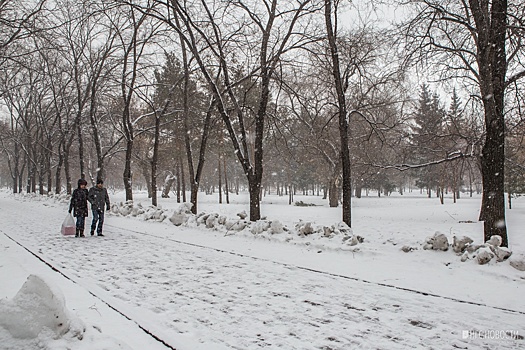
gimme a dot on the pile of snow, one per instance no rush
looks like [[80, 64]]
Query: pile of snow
[[518, 262], [304, 232], [37, 318], [487, 252], [62, 197], [127, 208], [436, 242], [36, 309], [464, 246]]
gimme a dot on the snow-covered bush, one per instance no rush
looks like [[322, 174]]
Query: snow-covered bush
[[128, 208], [236, 225], [518, 262], [304, 228], [276, 227], [125, 208], [436, 242], [484, 255], [182, 214], [154, 213], [488, 251], [260, 227], [459, 245]]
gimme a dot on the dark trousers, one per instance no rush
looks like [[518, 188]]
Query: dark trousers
[[81, 221], [98, 215]]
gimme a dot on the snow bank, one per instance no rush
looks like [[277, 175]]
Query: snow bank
[[38, 309], [463, 246], [37, 318], [338, 236]]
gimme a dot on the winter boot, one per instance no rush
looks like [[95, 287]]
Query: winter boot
[[77, 232], [100, 234], [92, 232], [82, 232]]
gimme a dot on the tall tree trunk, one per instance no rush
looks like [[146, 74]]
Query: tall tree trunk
[[16, 166], [21, 177], [65, 147], [145, 166], [127, 175], [182, 178], [343, 117], [177, 172], [333, 194], [155, 161], [492, 63], [80, 146], [220, 180], [226, 189]]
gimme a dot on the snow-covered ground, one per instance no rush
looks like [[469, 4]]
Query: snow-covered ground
[[154, 285]]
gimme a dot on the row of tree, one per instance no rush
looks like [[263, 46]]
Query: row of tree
[[264, 94]]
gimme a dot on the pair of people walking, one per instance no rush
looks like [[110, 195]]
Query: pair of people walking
[[99, 199]]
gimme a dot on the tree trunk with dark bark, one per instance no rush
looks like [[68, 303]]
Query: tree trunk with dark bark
[[342, 113], [492, 28]]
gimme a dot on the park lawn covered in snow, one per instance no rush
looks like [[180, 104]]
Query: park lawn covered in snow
[[153, 285]]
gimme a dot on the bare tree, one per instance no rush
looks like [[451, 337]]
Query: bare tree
[[269, 30], [470, 40], [18, 21], [133, 41]]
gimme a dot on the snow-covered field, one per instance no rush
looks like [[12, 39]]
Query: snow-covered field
[[153, 285]]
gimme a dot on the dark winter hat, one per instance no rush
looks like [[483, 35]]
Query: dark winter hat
[[82, 182], [100, 181]]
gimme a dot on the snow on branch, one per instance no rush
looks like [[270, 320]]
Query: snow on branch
[[450, 157]]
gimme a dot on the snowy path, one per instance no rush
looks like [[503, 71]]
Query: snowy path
[[231, 301]]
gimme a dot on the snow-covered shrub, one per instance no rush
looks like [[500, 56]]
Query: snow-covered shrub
[[200, 219], [495, 241], [303, 204], [115, 209], [328, 231], [154, 213], [354, 240], [235, 225], [182, 214], [178, 219], [518, 262], [304, 228], [501, 253], [488, 251], [407, 249], [125, 208], [185, 208], [437, 242], [137, 210], [242, 215], [62, 197], [260, 227], [460, 244], [276, 227], [484, 255], [221, 220], [212, 220]]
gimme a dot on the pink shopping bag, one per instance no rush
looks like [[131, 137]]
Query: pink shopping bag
[[68, 226]]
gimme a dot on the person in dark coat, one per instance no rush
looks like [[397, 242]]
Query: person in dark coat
[[79, 205], [99, 199]]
